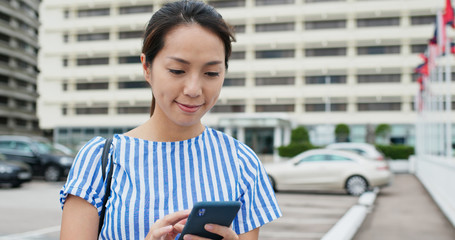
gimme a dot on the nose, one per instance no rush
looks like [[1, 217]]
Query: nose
[[193, 86]]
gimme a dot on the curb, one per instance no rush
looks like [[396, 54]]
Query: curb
[[349, 224]]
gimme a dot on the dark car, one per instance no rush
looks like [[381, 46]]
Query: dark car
[[44, 159], [14, 173]]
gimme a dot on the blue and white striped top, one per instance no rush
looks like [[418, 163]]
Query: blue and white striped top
[[152, 179]]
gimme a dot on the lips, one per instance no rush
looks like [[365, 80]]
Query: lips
[[189, 108]]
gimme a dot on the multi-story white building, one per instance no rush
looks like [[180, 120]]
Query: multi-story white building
[[315, 63], [18, 66]]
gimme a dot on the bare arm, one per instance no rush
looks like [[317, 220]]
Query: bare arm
[[251, 235], [79, 219]]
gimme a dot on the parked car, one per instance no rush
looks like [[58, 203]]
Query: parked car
[[327, 169], [364, 149], [14, 173], [44, 159]]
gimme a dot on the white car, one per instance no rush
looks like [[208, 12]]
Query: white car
[[326, 169], [364, 149]]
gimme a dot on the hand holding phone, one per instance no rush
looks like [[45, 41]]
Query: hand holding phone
[[220, 213]]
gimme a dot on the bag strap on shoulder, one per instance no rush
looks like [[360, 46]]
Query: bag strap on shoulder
[[104, 159]]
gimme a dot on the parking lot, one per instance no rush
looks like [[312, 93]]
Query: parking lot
[[33, 212]]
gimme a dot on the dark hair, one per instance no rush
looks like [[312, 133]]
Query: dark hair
[[178, 13]]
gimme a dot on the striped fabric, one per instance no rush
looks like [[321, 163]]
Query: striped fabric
[[152, 179]]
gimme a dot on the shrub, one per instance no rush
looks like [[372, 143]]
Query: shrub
[[294, 149], [300, 135], [396, 151], [342, 133]]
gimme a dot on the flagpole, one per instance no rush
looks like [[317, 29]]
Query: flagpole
[[448, 101]]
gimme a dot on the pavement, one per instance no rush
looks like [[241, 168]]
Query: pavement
[[404, 211]]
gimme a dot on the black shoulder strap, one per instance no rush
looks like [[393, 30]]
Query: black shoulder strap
[[104, 158]]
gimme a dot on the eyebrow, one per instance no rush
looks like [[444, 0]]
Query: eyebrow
[[188, 63]]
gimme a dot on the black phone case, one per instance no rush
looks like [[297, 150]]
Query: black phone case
[[220, 212]]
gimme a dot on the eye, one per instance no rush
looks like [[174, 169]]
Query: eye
[[176, 72], [212, 74]]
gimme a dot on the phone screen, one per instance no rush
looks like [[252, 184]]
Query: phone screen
[[219, 212]]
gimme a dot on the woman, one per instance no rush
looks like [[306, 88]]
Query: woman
[[164, 166]]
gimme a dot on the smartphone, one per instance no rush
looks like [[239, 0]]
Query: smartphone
[[219, 212]]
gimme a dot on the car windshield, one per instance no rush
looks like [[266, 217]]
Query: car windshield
[[47, 148]]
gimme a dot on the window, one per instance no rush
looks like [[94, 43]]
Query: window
[[4, 59], [20, 122], [4, 17], [379, 78], [273, 2], [275, 108], [325, 52], [65, 38], [65, 62], [130, 34], [64, 111], [237, 55], [3, 101], [92, 86], [228, 109], [136, 9], [270, 81], [319, 1], [4, 38], [66, 14], [314, 25], [91, 110], [274, 27], [92, 61], [275, 54], [93, 12], [227, 3], [234, 82], [323, 79], [129, 59], [321, 107], [132, 84], [423, 20], [378, 50], [92, 37], [378, 22], [314, 158], [4, 80], [391, 106], [133, 110], [239, 28], [418, 48], [3, 121]]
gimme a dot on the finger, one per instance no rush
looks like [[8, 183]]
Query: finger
[[173, 218], [160, 232], [225, 232], [178, 227], [194, 237]]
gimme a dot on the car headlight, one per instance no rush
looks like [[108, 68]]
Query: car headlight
[[66, 161], [6, 169]]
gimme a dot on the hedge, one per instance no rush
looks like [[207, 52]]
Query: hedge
[[396, 151], [294, 149]]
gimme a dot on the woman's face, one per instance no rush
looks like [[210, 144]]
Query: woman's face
[[186, 76]]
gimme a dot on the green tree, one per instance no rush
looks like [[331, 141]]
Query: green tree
[[382, 133], [342, 133], [300, 142]]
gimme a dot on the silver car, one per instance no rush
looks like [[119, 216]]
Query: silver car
[[326, 169]]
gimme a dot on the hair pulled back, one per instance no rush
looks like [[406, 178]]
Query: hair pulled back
[[179, 13]]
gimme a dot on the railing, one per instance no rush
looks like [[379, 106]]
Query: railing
[[437, 174]]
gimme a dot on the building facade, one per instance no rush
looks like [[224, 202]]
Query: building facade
[[18, 67], [316, 63]]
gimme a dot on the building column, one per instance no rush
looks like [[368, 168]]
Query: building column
[[241, 134], [228, 131], [277, 141]]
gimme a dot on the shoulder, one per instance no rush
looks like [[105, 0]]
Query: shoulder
[[242, 151]]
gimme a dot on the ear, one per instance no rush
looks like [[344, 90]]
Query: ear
[[146, 69]]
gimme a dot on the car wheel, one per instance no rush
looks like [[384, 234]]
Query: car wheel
[[272, 182], [52, 173], [356, 185]]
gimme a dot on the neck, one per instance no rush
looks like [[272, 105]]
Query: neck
[[162, 130]]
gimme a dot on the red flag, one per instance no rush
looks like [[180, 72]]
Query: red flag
[[448, 16]]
